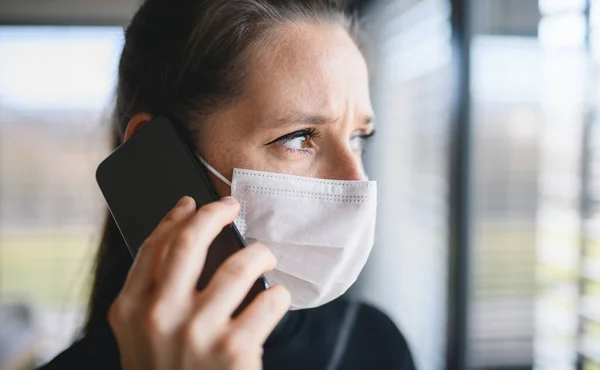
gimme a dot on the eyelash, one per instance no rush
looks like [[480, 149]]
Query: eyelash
[[367, 136], [309, 133]]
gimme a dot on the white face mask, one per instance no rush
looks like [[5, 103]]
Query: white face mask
[[320, 231]]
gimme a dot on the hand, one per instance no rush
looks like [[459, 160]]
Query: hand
[[161, 321]]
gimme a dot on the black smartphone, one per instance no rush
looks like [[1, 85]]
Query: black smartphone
[[146, 176]]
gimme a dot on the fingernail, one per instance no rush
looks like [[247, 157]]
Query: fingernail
[[184, 201], [229, 200]]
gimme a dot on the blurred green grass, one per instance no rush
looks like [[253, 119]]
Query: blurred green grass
[[48, 268], [52, 268]]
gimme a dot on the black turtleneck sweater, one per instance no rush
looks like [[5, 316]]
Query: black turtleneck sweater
[[341, 335]]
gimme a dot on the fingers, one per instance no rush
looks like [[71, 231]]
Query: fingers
[[142, 274], [186, 255], [259, 319], [232, 281]]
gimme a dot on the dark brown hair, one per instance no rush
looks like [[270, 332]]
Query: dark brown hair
[[186, 59]]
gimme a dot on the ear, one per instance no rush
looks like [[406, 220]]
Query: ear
[[136, 123]]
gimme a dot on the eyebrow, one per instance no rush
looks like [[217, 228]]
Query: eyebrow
[[315, 119]]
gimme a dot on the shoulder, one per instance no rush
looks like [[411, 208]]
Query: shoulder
[[376, 323], [376, 342], [70, 358], [89, 352]]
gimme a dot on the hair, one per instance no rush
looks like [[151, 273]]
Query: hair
[[186, 59]]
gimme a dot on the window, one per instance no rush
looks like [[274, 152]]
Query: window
[[56, 86]]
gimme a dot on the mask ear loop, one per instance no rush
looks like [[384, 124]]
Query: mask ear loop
[[214, 172]]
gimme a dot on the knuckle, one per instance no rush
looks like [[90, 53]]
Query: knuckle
[[170, 216], [117, 313], [272, 302], [236, 269], [285, 297], [147, 244], [185, 239], [278, 299], [211, 210], [155, 321], [266, 254], [197, 334], [230, 348]]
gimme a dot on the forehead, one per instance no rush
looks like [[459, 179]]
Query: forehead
[[309, 67]]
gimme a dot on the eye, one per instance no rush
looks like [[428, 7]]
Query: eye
[[296, 141], [357, 142]]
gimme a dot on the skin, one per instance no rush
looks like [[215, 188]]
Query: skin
[[305, 77]]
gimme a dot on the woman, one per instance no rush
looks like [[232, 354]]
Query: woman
[[277, 86]]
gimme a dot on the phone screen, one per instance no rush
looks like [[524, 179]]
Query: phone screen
[[144, 178]]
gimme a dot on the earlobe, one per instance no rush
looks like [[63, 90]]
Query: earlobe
[[136, 122]]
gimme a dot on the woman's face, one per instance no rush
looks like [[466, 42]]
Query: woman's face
[[306, 110]]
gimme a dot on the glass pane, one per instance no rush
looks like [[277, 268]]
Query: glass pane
[[55, 93], [413, 79]]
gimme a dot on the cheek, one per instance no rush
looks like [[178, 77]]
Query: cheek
[[234, 151], [221, 188]]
